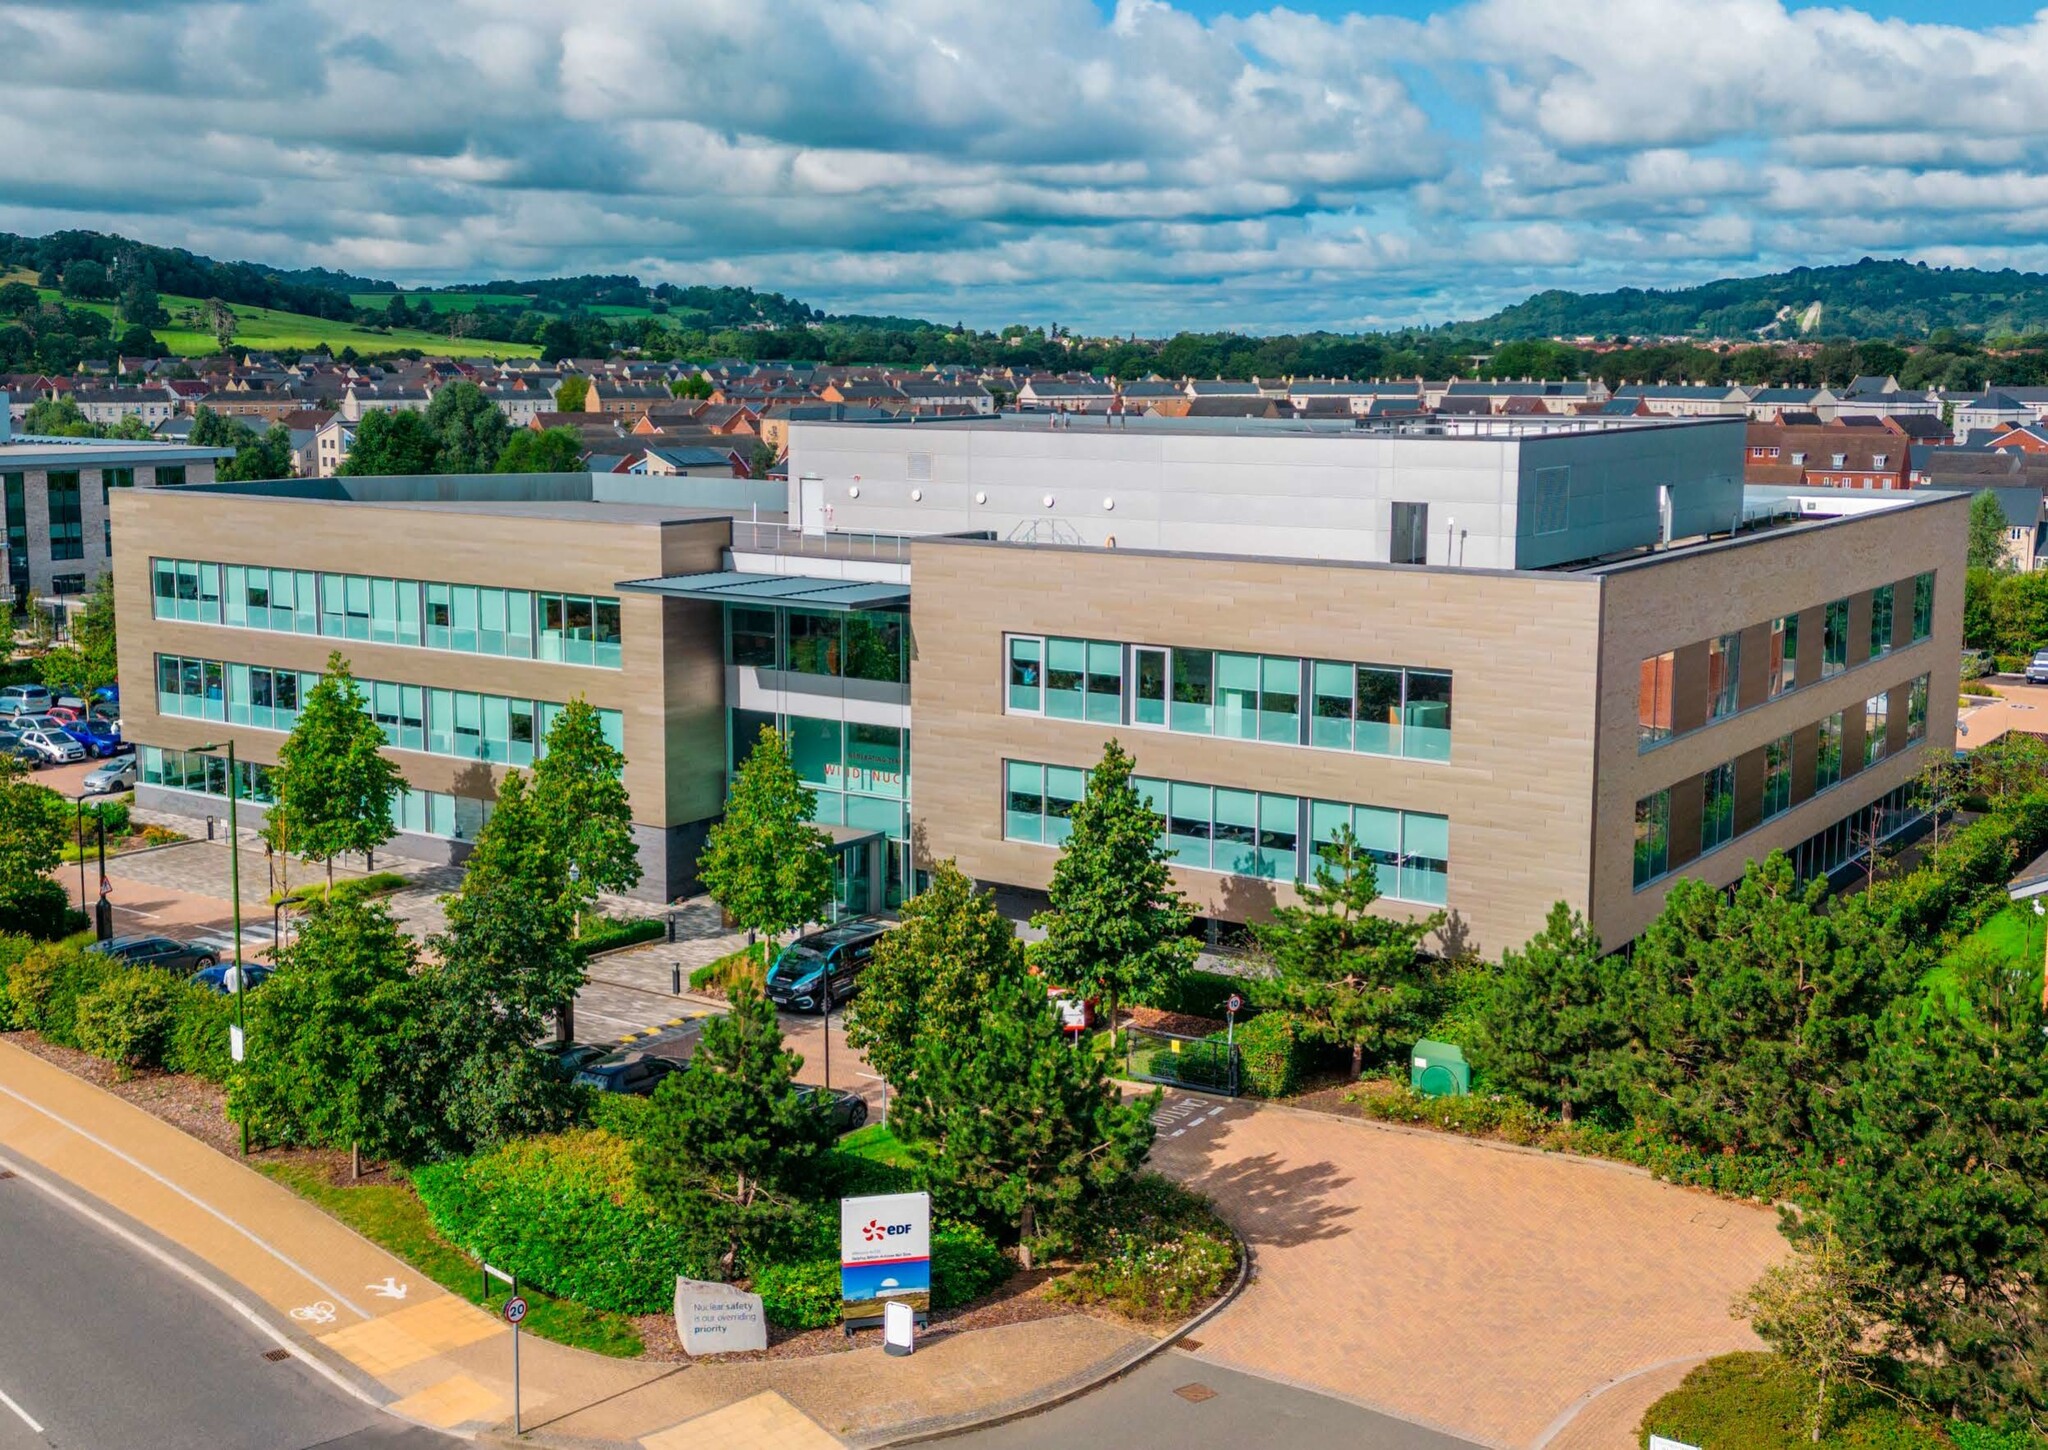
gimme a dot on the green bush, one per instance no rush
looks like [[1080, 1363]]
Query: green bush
[[111, 814], [563, 1212], [802, 1295], [1273, 1053], [40, 909], [620, 1114], [198, 1042], [603, 933], [13, 948], [1758, 1402], [45, 985], [127, 1018], [349, 888], [720, 975], [966, 1264], [1200, 994], [1155, 1251]]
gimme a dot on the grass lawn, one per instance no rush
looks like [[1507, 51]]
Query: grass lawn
[[877, 1144], [2015, 934], [391, 1216]]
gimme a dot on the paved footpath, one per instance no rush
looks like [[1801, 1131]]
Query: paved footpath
[[351, 1310], [1517, 1299]]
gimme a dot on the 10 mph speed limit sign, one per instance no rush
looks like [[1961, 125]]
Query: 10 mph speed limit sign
[[515, 1310]]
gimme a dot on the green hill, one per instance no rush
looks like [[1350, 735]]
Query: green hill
[[1865, 299]]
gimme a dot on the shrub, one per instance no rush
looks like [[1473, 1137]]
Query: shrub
[[603, 933], [198, 1042], [160, 835], [720, 975], [113, 815], [1273, 1052], [127, 1018], [13, 948], [351, 888], [1156, 1251], [619, 1114], [1200, 994], [1758, 1402], [46, 984], [802, 1295], [966, 1264], [562, 1212], [40, 909]]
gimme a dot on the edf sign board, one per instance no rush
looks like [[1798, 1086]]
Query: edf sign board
[[885, 1253]]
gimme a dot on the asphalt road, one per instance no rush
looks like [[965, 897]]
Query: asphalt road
[[101, 1347], [1176, 1401]]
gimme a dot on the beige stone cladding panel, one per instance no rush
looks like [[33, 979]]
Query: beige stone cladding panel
[[443, 546], [1689, 595], [1520, 648]]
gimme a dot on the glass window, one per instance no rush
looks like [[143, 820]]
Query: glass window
[[874, 759], [1064, 787], [1724, 675], [813, 642], [1653, 699], [1279, 837], [743, 732], [1280, 700], [1425, 858], [1777, 776], [163, 589], [1188, 817], [306, 601], [1426, 719], [1653, 836], [1194, 682], [1834, 647], [1923, 606], [67, 519], [1148, 691], [552, 625], [1408, 541], [1237, 696], [874, 647], [1827, 765], [753, 637], [1105, 683], [463, 614], [519, 624], [1784, 653], [610, 638], [522, 738], [1378, 695], [441, 722], [1331, 687], [1717, 806], [1916, 709], [814, 746], [1066, 672], [440, 615], [490, 621], [1236, 834], [1024, 801], [1876, 722], [1027, 677], [1881, 621]]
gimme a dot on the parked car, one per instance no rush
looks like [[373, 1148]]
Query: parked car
[[215, 978], [158, 951], [116, 774], [838, 955], [576, 1056], [2037, 668], [844, 1110], [23, 753], [638, 1073], [54, 745], [99, 737], [25, 699], [65, 714]]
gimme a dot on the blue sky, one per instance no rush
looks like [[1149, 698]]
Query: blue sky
[[1110, 165]]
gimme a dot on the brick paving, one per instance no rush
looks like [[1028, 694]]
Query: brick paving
[[1484, 1292]]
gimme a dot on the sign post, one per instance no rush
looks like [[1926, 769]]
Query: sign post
[[885, 1257], [1231, 1008], [515, 1310]]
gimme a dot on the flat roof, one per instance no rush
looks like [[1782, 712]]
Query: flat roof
[[773, 591], [581, 511], [40, 452], [1477, 426]]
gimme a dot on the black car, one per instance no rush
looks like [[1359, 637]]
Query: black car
[[158, 951], [575, 1056], [844, 1110], [626, 1072], [839, 954]]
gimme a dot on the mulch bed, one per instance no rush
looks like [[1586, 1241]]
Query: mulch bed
[[1178, 1023]]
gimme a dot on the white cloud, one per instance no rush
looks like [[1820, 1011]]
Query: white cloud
[[1116, 167]]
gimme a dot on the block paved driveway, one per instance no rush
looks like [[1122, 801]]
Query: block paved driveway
[[1489, 1293]]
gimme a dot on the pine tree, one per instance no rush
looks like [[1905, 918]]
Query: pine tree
[[764, 862], [1548, 1019], [1117, 927], [1358, 978], [333, 785], [726, 1142]]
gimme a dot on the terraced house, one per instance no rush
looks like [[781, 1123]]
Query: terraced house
[[1522, 659]]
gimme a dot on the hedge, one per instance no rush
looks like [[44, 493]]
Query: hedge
[[45, 985], [41, 909], [966, 1264], [127, 1018], [1200, 994], [133, 1016], [349, 888], [563, 1213], [1273, 1053], [602, 933], [719, 975]]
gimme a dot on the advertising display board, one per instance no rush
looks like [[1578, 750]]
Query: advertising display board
[[885, 1254]]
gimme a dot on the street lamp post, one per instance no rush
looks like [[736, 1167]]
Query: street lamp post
[[235, 887]]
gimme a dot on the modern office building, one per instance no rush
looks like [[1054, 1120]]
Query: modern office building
[[54, 494], [1522, 661]]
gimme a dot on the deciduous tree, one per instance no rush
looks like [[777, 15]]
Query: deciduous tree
[[541, 450], [333, 785], [89, 658], [572, 391], [1987, 532], [1117, 926], [468, 428], [1815, 1310], [764, 862], [392, 441]]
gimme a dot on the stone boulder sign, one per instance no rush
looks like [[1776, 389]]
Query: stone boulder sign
[[718, 1319]]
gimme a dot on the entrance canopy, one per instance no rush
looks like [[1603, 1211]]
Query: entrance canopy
[[772, 591]]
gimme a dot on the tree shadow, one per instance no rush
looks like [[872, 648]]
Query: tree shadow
[[1274, 1203], [1248, 898], [1455, 937]]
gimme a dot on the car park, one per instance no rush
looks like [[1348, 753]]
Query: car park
[[98, 737], [636, 1073], [844, 1110], [52, 744], [25, 699], [217, 979], [2037, 668], [576, 1056], [116, 775], [158, 951], [834, 957]]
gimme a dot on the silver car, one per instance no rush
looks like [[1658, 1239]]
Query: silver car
[[116, 774], [2037, 668]]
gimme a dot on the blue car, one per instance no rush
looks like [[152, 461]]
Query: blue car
[[99, 737], [216, 978]]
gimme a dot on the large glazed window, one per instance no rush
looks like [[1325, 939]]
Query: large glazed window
[[1653, 699], [1653, 836]]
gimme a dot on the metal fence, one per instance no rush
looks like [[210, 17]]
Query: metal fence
[[1200, 1063]]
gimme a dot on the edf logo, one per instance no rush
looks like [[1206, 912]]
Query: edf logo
[[875, 1230]]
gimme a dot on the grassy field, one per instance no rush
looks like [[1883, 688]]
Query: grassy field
[[265, 329], [390, 1215], [442, 301], [2014, 934]]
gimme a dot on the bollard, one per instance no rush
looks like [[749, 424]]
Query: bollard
[[675, 978], [209, 828], [671, 928]]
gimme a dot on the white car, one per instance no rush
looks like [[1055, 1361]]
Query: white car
[[116, 774], [2037, 668], [53, 745]]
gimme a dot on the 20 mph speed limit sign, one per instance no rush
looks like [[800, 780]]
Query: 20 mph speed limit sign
[[515, 1310]]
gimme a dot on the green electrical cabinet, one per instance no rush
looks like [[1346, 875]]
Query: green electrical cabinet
[[1439, 1070]]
